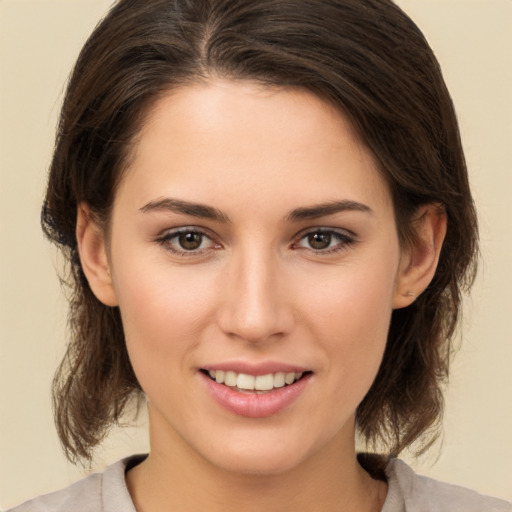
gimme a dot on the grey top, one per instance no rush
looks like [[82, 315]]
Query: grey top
[[407, 492]]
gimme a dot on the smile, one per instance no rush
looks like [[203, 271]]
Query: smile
[[245, 382], [255, 396]]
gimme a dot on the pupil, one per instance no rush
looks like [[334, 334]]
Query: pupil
[[190, 241], [319, 240]]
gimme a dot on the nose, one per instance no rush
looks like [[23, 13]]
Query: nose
[[256, 306]]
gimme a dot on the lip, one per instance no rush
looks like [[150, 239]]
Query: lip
[[253, 405], [256, 369]]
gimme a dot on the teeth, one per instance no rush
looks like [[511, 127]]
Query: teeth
[[244, 381], [279, 380], [254, 383], [289, 378], [264, 382], [230, 379]]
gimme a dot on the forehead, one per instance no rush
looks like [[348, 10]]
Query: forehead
[[241, 107], [225, 138]]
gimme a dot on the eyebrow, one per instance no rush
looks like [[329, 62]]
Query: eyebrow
[[208, 212], [186, 208], [330, 208]]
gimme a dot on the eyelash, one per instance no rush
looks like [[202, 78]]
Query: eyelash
[[167, 238], [343, 239]]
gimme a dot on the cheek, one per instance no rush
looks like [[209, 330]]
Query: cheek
[[352, 300], [163, 310], [349, 317]]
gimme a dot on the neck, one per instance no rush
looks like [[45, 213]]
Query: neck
[[175, 477]]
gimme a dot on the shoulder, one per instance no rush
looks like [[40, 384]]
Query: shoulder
[[98, 492], [82, 495], [418, 493]]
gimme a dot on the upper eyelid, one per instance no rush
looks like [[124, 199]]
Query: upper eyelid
[[325, 229], [170, 232]]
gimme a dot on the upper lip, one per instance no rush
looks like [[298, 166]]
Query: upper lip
[[256, 369]]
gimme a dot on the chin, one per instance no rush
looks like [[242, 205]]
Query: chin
[[263, 453], [260, 463]]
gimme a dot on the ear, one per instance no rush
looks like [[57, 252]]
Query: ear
[[93, 256], [419, 261]]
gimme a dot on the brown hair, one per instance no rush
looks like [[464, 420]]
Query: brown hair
[[364, 56]]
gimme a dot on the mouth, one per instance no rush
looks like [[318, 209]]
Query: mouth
[[254, 384], [256, 391]]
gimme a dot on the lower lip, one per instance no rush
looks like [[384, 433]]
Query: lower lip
[[253, 405]]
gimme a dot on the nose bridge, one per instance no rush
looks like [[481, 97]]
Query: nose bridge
[[255, 307]]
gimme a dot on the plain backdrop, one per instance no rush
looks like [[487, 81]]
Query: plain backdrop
[[39, 40]]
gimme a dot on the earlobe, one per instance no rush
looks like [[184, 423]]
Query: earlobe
[[93, 256], [419, 261]]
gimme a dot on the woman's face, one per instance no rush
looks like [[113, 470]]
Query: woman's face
[[252, 240]]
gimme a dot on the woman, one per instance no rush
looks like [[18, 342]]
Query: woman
[[266, 212]]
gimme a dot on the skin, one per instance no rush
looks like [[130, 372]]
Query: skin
[[255, 290]]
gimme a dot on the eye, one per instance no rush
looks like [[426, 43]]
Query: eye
[[187, 241], [325, 241], [190, 241], [319, 241]]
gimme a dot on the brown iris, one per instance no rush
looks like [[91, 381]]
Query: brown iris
[[320, 240], [190, 240]]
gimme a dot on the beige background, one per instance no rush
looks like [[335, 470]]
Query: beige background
[[39, 41]]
